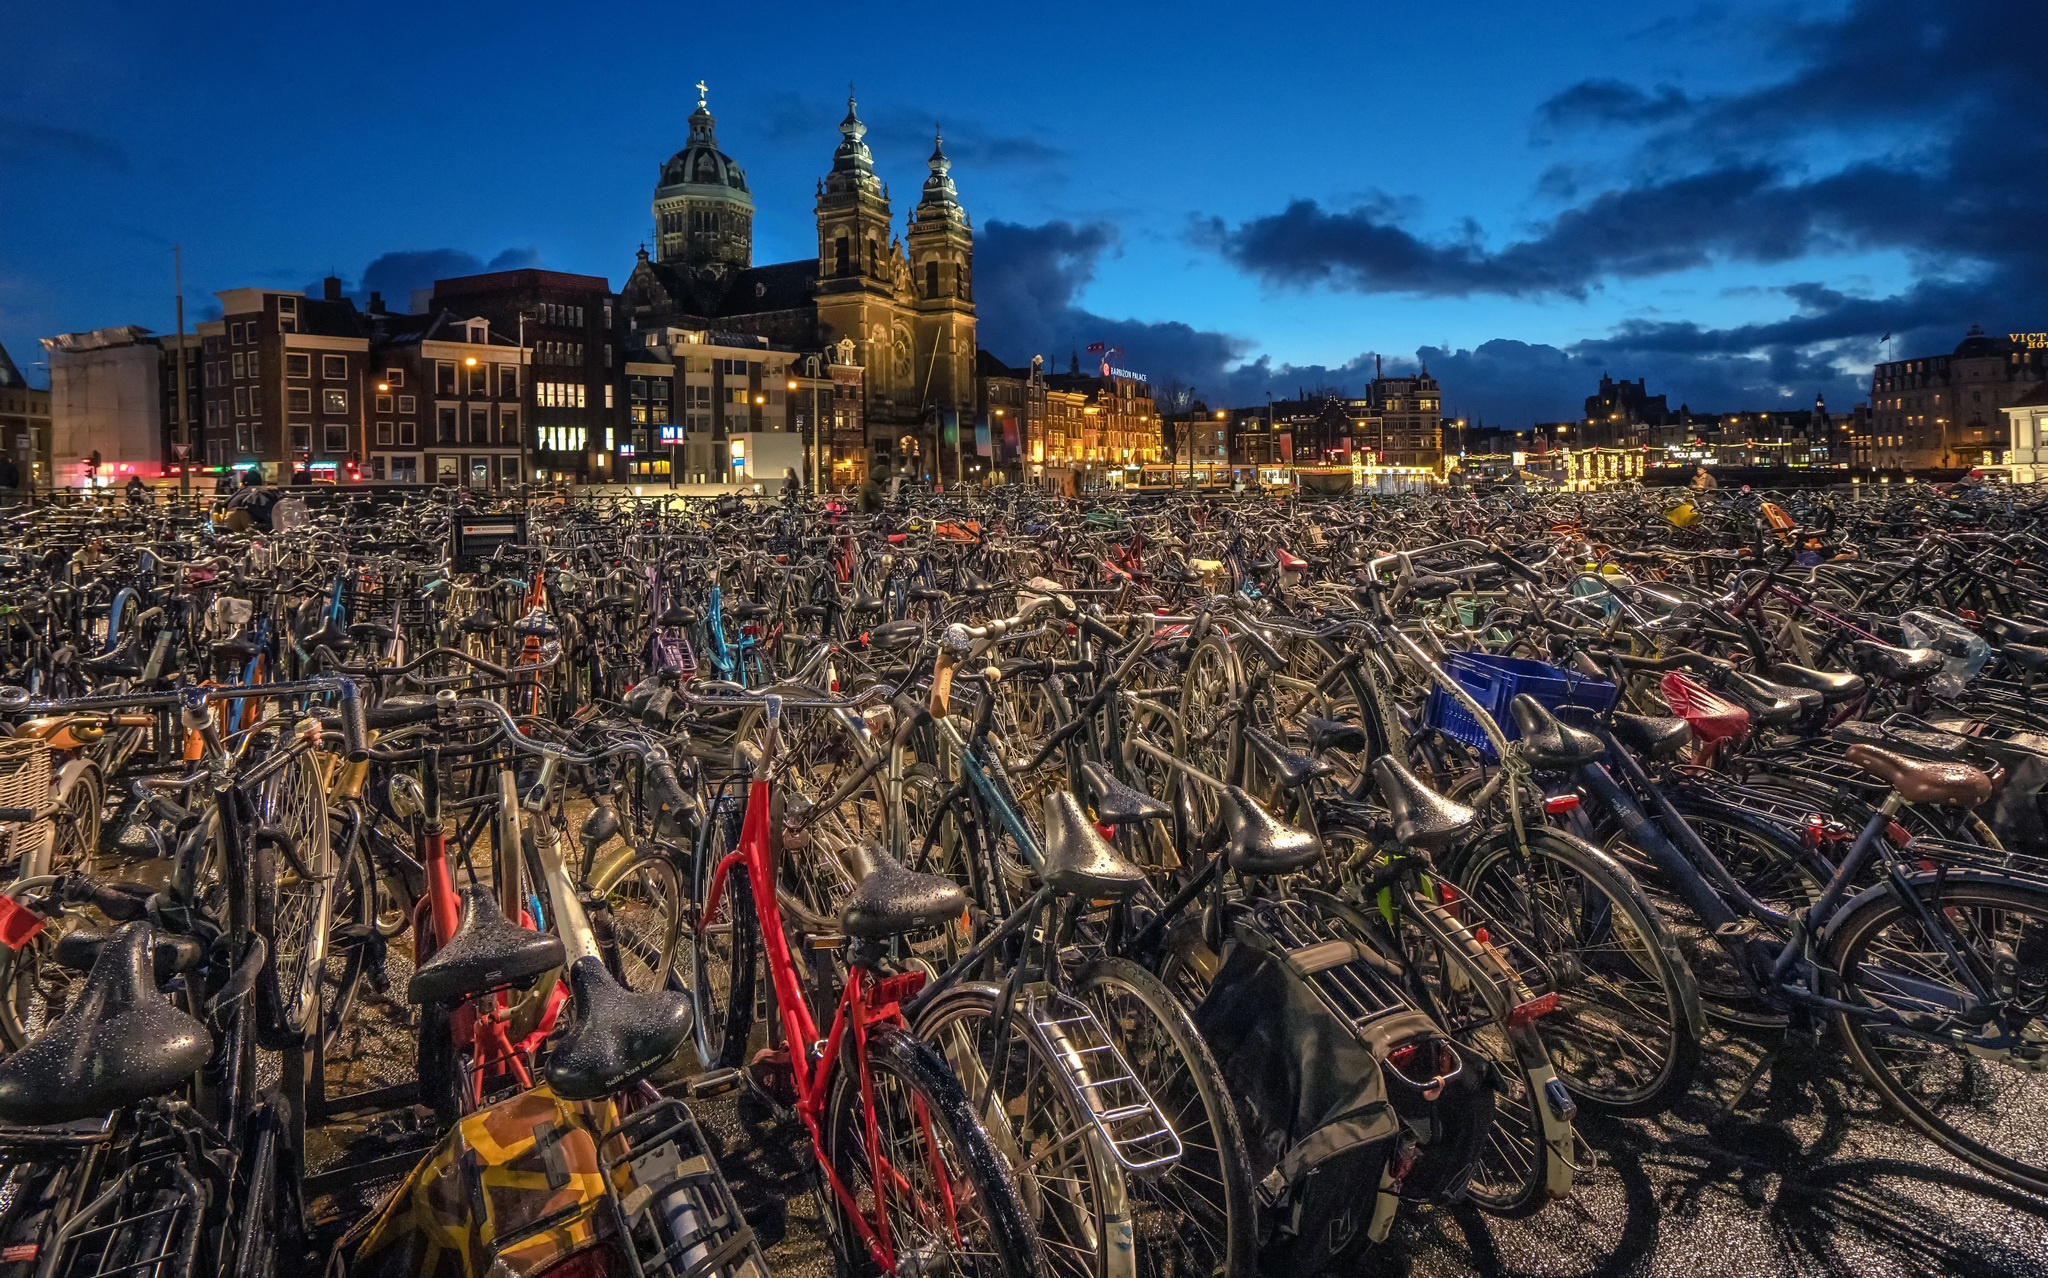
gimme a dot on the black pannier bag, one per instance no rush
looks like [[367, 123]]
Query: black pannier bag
[[1352, 1099]]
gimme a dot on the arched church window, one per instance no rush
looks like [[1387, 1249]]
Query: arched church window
[[931, 278], [842, 253]]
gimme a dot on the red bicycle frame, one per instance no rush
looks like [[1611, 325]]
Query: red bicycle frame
[[865, 1002]]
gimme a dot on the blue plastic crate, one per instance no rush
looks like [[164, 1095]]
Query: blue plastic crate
[[1494, 682]]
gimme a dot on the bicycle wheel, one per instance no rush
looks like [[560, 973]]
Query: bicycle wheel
[[1074, 1190], [295, 801], [722, 959], [1200, 1215], [75, 825], [1622, 1036], [951, 1203], [1965, 1074], [645, 900], [353, 916]]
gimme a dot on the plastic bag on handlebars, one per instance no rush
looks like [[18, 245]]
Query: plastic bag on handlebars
[[1967, 653]]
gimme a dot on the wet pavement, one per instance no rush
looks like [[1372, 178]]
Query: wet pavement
[[1808, 1177]]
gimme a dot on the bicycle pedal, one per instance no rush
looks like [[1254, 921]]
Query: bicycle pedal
[[717, 1082], [770, 1074]]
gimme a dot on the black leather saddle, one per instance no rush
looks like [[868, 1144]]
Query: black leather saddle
[[1333, 734], [1548, 743], [1078, 860], [1117, 803], [119, 1043], [1833, 688], [481, 622], [1651, 736], [487, 952], [748, 611], [892, 900], [121, 662], [894, 636], [616, 1036], [1254, 843], [1422, 817], [1293, 769], [2004, 630], [1899, 665], [1769, 705]]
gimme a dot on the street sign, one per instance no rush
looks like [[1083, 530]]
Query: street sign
[[181, 451]]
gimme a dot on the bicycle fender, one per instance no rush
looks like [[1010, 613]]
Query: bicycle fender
[[1868, 897]]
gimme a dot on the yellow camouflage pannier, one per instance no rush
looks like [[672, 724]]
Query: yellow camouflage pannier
[[514, 1190]]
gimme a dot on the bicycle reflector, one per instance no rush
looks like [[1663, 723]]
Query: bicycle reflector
[[17, 924], [1559, 804], [1523, 1014], [1711, 717]]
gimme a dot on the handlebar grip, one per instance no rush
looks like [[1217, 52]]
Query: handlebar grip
[[355, 735], [668, 786], [397, 712], [115, 902], [19, 814]]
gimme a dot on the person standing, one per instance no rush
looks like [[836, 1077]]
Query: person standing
[[10, 476]]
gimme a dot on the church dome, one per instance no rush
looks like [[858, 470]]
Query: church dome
[[700, 163]]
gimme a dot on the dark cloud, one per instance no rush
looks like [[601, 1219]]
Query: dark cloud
[[398, 275], [1895, 127], [1611, 102], [27, 142]]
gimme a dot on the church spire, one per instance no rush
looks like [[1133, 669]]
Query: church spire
[[853, 165], [703, 128], [941, 200]]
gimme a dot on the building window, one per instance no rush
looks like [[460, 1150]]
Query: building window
[[334, 367], [298, 399], [444, 426], [384, 434], [298, 366], [444, 377], [607, 313], [406, 403], [241, 402], [408, 434], [479, 380], [608, 395], [302, 436], [479, 425], [394, 377], [841, 256], [508, 424], [334, 402], [931, 278], [384, 403], [238, 364], [508, 381], [336, 440]]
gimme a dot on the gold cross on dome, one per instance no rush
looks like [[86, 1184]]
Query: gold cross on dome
[[702, 89]]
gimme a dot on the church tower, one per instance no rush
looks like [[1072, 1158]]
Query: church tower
[[703, 214], [860, 271], [941, 254]]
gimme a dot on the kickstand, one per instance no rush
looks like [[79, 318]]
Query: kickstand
[[1749, 1082]]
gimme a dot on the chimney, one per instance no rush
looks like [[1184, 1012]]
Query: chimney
[[331, 288], [376, 301]]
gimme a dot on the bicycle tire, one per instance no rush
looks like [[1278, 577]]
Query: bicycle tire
[[1190, 1069], [1638, 961], [906, 1065], [1075, 1199], [1847, 943], [645, 899], [722, 976]]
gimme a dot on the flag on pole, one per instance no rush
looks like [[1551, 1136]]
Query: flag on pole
[[1095, 348]]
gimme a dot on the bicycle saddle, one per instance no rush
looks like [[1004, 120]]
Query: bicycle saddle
[[1422, 817], [1254, 843], [1426, 586], [481, 622], [487, 952], [1332, 734], [1078, 860], [117, 1045], [1652, 736], [1119, 804], [617, 1036], [121, 661], [748, 611], [675, 617], [371, 632], [2004, 630], [1915, 743], [536, 625], [80, 950], [2029, 657], [1954, 785], [894, 636], [866, 603], [1549, 743], [1833, 688], [1294, 770], [892, 900], [1769, 705], [1899, 665]]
